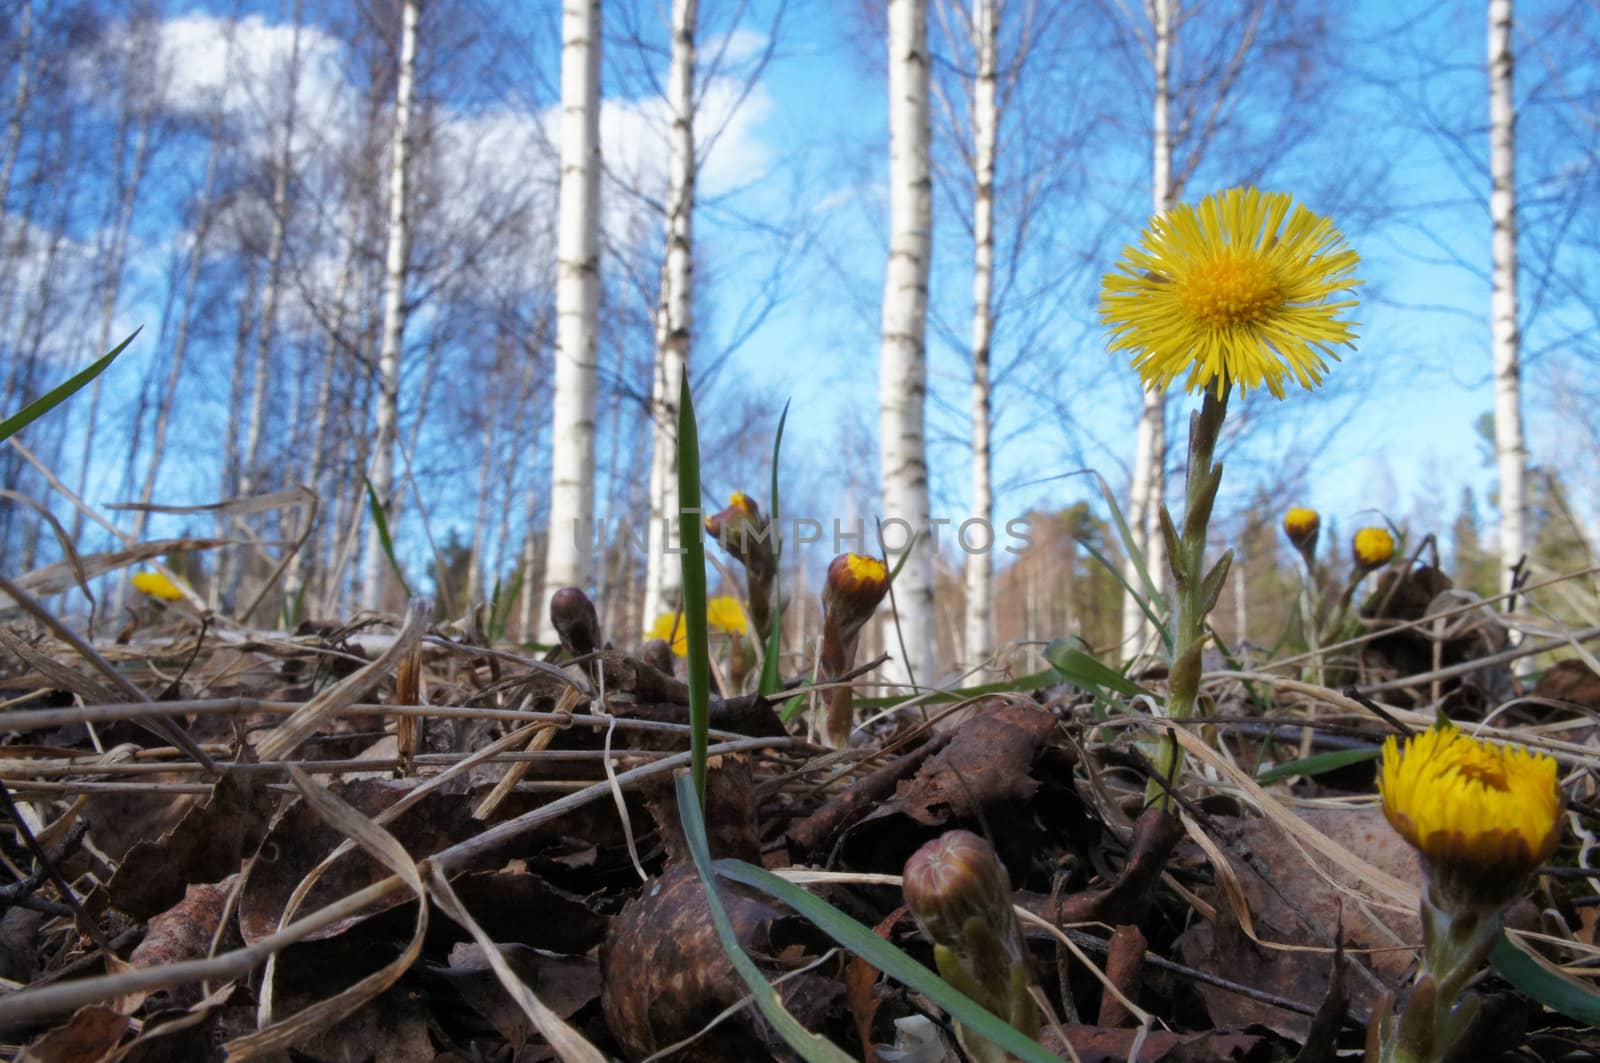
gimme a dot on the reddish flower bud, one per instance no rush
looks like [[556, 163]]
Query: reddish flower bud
[[577, 625]]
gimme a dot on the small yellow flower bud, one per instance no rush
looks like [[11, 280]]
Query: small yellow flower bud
[[156, 586], [1301, 525], [856, 584], [1372, 547]]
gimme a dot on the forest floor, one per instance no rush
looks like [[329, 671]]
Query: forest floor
[[266, 904]]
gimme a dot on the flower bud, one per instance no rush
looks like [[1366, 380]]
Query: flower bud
[[954, 880], [1372, 547], [658, 654], [740, 528], [156, 586], [960, 896], [856, 584], [577, 625], [1301, 525]]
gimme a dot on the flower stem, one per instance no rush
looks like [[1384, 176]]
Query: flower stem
[[1439, 1011], [1194, 589]]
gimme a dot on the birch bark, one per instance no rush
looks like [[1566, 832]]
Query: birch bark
[[664, 566], [568, 557], [985, 131], [1147, 492], [902, 363], [374, 570], [1511, 455]]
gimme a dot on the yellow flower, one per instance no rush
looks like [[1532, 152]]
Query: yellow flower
[[1301, 526], [1484, 817], [1237, 290], [1372, 547], [724, 616], [156, 586]]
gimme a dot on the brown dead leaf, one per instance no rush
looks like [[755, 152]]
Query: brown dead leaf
[[1099, 1044], [565, 984], [514, 905], [392, 1028], [207, 845], [183, 932], [300, 839], [1225, 949], [92, 1034], [985, 778]]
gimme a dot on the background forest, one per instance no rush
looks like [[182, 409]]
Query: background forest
[[337, 227]]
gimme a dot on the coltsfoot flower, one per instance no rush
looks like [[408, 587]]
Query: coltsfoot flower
[[1239, 289], [156, 585], [1301, 525], [724, 615], [1372, 547], [1484, 817]]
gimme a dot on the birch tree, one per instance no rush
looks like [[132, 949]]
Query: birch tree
[[568, 559], [394, 310], [1511, 455], [1147, 490], [663, 569], [979, 640], [902, 357]]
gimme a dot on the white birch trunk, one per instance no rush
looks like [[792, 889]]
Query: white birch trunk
[[664, 569], [902, 363], [262, 355], [568, 557], [1147, 493], [19, 106], [985, 131], [1510, 453], [374, 571]]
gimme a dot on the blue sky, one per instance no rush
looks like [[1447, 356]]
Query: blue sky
[[805, 150]]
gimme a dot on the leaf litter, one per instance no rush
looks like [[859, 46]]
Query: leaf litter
[[413, 847]]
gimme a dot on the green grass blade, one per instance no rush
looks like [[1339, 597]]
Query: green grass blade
[[382, 523], [771, 680], [810, 1046], [61, 392], [692, 532], [1318, 763], [1082, 670], [1535, 976], [1128, 542], [888, 959]]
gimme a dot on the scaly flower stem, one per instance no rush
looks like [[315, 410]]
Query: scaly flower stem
[[1455, 945], [1308, 619], [1194, 590]]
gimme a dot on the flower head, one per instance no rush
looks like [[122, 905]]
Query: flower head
[[1238, 289], [724, 616], [1301, 525], [1372, 547], [741, 529], [1484, 817], [855, 585], [955, 878], [156, 586]]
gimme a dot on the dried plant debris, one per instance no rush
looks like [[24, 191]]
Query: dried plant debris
[[230, 902]]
